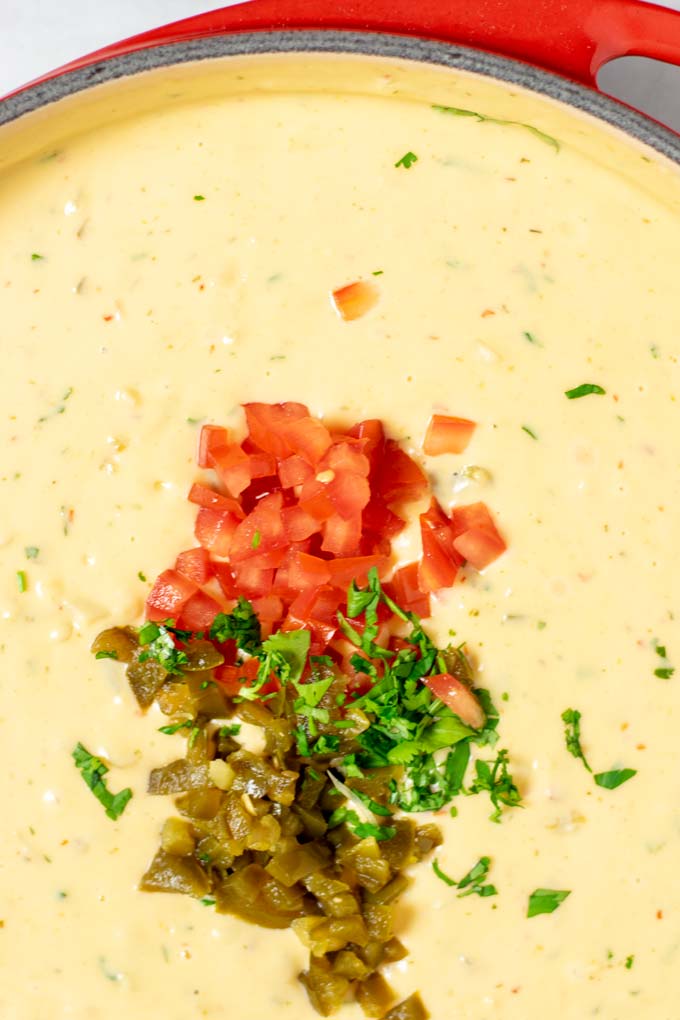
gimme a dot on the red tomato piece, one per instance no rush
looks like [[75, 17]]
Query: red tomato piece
[[406, 591], [476, 537], [305, 571], [399, 478], [446, 434], [211, 436], [458, 697], [355, 568], [294, 470], [355, 299], [316, 610], [380, 520], [269, 608], [349, 493], [195, 564], [307, 437], [315, 499], [199, 612], [266, 423], [215, 529], [440, 562], [298, 525], [346, 455], [253, 582], [169, 595], [372, 435], [261, 531], [203, 495], [232, 466], [262, 465], [227, 580], [341, 535], [232, 678]]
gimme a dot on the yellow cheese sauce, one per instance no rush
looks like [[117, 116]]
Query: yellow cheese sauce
[[159, 268]]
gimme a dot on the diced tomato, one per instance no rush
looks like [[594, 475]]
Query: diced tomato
[[447, 435], [341, 535], [476, 537], [258, 488], [355, 299], [261, 531], [458, 697], [266, 424], [195, 564], [315, 609], [315, 499], [253, 582], [372, 434], [399, 478], [262, 465], [307, 437], [199, 612], [479, 547], [269, 608], [380, 520], [227, 580], [305, 571], [407, 593], [211, 436], [232, 678], [346, 455], [355, 568], [440, 562], [298, 525], [349, 493], [169, 595], [203, 495], [232, 466], [294, 470], [215, 529]]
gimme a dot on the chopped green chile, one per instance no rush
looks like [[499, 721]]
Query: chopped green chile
[[308, 832]]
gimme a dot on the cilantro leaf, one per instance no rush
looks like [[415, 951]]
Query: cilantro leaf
[[93, 771], [159, 646], [615, 777], [495, 778], [186, 724], [241, 626], [545, 901], [470, 884], [442, 874], [571, 718], [584, 390], [407, 160]]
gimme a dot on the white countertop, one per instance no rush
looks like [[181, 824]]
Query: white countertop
[[38, 35]]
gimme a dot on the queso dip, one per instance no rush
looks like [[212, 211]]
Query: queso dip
[[167, 251]]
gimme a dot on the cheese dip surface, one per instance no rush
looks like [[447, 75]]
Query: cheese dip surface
[[167, 251]]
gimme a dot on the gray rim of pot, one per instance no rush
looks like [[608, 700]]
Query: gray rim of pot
[[368, 43]]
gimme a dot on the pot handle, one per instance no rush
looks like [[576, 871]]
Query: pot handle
[[572, 37]]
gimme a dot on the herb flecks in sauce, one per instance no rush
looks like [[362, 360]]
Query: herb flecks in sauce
[[571, 718], [584, 390], [665, 671], [545, 901], [407, 161]]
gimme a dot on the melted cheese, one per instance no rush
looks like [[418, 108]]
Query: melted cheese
[[509, 273]]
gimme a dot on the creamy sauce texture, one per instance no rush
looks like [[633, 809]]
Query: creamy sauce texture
[[156, 271]]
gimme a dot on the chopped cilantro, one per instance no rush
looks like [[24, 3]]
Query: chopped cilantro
[[630, 960], [256, 539], [457, 111], [529, 432], [571, 718], [470, 884], [186, 724], [615, 777], [93, 771], [442, 875], [141, 575], [32, 552], [377, 272], [199, 198], [407, 160], [666, 671], [208, 901], [584, 390], [229, 731], [363, 830], [106, 654], [495, 778], [531, 338], [35, 257], [22, 582], [544, 901], [241, 626], [159, 646]]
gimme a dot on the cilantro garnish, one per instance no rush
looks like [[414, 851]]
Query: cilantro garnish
[[496, 779], [407, 160], [470, 884], [186, 724], [22, 581], [529, 432], [106, 654], [159, 646], [615, 777], [666, 671], [544, 901], [31, 552], [93, 771], [457, 111], [241, 626], [363, 830], [571, 718], [584, 390]]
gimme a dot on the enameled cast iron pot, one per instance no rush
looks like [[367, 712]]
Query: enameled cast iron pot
[[555, 47]]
